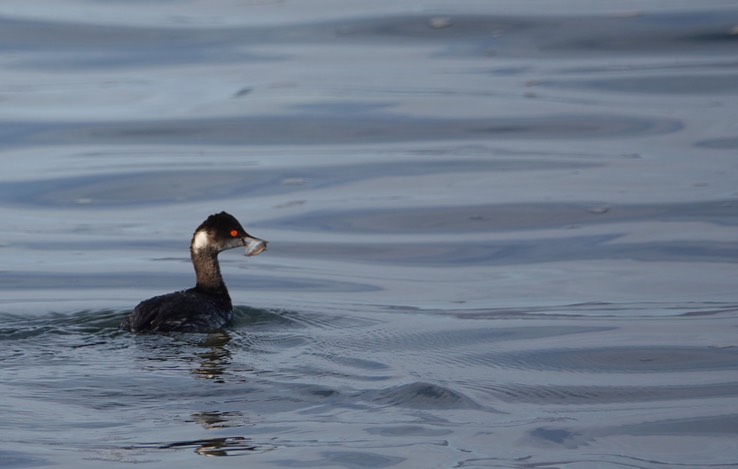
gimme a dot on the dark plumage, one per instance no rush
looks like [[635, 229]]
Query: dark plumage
[[207, 306]]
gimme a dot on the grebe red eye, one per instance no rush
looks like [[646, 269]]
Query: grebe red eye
[[234, 233]]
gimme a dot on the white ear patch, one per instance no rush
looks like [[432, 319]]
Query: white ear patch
[[201, 241]]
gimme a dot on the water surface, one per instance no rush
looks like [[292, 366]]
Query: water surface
[[499, 236]]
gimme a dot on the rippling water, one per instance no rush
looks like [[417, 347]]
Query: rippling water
[[499, 237]]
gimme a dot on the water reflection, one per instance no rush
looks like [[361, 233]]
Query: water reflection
[[226, 446], [215, 361], [215, 419]]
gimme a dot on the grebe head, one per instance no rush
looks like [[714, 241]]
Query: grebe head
[[222, 231]]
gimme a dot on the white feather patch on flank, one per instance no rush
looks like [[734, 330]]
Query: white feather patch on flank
[[201, 241]]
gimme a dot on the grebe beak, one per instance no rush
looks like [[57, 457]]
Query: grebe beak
[[254, 246]]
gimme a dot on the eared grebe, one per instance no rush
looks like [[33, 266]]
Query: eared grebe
[[207, 306]]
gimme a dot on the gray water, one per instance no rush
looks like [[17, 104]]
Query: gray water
[[502, 234]]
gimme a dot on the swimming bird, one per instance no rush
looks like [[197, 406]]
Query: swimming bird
[[206, 306]]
